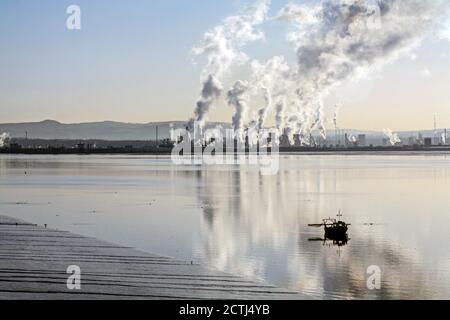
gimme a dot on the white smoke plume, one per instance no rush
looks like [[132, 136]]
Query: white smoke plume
[[445, 32], [273, 80], [334, 40], [319, 121], [444, 138], [291, 126], [4, 139], [296, 13], [300, 123], [280, 116], [262, 113], [269, 79], [222, 49], [237, 97], [393, 137], [342, 39]]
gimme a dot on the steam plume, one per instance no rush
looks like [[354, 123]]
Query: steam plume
[[4, 139], [222, 48], [337, 108], [272, 79], [393, 137], [342, 39], [238, 97]]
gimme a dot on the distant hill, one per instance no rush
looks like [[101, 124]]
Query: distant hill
[[107, 130], [120, 131]]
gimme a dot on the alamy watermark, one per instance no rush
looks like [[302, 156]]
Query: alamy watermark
[[374, 278], [74, 280], [219, 146], [73, 21]]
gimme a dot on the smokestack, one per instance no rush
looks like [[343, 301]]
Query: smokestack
[[435, 123], [436, 133]]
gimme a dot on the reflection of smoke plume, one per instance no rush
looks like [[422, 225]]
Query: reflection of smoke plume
[[221, 46], [237, 97], [346, 38], [244, 235], [393, 137], [4, 139]]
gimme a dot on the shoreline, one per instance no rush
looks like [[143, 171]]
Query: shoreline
[[282, 151]]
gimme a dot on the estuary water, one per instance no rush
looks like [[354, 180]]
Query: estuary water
[[237, 220]]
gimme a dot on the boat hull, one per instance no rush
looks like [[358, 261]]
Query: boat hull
[[336, 232]]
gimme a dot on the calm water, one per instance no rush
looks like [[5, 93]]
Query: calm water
[[236, 220]]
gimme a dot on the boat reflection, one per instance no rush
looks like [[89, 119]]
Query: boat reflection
[[330, 241]]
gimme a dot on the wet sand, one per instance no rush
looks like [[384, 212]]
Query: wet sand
[[34, 261]]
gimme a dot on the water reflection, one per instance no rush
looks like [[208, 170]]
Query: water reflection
[[257, 226], [240, 221]]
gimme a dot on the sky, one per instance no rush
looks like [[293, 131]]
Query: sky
[[131, 61]]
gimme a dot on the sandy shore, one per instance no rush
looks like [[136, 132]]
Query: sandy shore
[[34, 262]]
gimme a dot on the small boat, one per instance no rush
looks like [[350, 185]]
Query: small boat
[[335, 229]]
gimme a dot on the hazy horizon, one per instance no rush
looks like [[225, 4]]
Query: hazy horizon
[[133, 63], [329, 129]]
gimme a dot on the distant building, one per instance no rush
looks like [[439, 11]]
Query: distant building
[[420, 138], [362, 142], [81, 147], [15, 146], [428, 142], [436, 140], [413, 141]]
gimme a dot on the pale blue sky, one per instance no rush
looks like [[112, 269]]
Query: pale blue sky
[[131, 62]]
